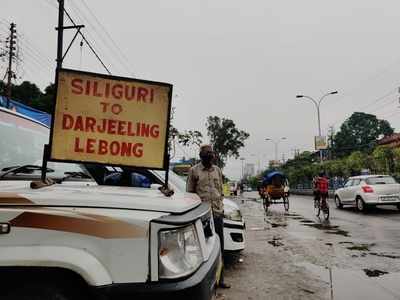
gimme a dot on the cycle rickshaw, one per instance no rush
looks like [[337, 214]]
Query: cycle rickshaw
[[275, 190]]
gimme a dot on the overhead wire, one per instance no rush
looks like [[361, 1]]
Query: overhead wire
[[92, 33], [121, 55], [88, 43]]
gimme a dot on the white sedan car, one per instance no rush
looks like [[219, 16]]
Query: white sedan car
[[368, 191]]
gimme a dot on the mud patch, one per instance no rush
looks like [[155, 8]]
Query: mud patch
[[307, 221], [276, 242], [343, 243], [374, 273], [274, 225], [329, 229], [360, 247], [393, 256]]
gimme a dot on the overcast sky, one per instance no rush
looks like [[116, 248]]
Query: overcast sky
[[244, 60]]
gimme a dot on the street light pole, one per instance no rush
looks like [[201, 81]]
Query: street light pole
[[318, 105], [276, 142], [242, 159]]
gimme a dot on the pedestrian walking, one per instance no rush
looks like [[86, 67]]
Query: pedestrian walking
[[205, 179]]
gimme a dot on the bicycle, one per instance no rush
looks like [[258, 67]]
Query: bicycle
[[318, 207]]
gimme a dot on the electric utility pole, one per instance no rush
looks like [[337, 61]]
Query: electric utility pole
[[11, 56]]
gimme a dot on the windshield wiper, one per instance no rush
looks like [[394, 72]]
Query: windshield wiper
[[73, 175], [22, 169]]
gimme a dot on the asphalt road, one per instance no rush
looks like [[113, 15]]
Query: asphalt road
[[296, 255]]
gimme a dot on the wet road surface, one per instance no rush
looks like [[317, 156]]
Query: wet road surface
[[352, 256]]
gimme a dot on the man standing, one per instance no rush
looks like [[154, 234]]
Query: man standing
[[205, 179]]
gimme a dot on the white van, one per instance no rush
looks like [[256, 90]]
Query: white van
[[76, 239]]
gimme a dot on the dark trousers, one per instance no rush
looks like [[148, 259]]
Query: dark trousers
[[219, 229]]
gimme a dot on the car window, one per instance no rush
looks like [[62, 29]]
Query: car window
[[380, 180], [132, 179], [176, 180], [349, 183], [22, 142], [356, 182]]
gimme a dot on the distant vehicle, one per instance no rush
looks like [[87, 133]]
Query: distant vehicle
[[368, 191], [249, 189], [233, 188]]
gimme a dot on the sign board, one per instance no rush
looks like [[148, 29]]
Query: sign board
[[320, 143], [110, 120]]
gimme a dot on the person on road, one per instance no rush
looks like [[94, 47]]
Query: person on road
[[205, 179], [321, 188]]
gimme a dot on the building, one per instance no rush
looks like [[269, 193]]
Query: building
[[249, 170], [392, 141]]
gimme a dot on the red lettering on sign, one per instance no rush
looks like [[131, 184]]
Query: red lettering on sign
[[79, 124], [90, 124], [121, 128], [114, 148], [67, 122], [142, 94], [102, 128], [77, 148], [102, 147], [95, 92], [129, 92], [76, 84], [87, 91], [90, 145], [155, 131], [137, 150], [117, 91], [145, 130], [112, 124]]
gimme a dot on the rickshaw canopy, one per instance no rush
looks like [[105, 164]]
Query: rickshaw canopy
[[267, 179]]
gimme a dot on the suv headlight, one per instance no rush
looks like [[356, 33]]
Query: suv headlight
[[179, 252], [233, 215]]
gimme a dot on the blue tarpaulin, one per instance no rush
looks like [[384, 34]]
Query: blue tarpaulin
[[25, 110], [267, 179]]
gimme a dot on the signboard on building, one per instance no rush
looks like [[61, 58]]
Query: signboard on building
[[110, 120], [320, 143]]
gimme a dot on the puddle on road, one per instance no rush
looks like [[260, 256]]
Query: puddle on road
[[362, 284], [327, 228]]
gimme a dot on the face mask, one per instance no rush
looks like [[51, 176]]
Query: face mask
[[207, 158]]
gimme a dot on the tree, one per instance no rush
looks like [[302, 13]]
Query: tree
[[359, 132], [46, 100], [26, 92], [190, 137], [226, 139]]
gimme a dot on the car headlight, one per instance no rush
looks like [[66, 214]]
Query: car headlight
[[179, 252], [233, 215]]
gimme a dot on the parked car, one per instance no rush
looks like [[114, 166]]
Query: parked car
[[368, 191], [234, 225], [79, 239]]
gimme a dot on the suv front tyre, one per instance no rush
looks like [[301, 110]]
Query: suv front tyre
[[39, 292]]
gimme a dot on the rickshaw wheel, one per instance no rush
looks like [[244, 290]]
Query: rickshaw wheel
[[286, 202], [266, 204]]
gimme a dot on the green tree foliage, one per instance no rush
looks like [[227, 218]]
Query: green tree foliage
[[190, 137], [359, 132], [226, 139], [29, 94]]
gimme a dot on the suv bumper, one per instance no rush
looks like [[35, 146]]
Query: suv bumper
[[200, 285]]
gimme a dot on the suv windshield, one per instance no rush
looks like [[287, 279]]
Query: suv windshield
[[380, 180], [176, 180], [22, 142]]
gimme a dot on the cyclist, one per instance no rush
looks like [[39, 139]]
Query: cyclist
[[321, 186]]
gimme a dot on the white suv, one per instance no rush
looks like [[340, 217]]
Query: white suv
[[77, 239], [369, 190]]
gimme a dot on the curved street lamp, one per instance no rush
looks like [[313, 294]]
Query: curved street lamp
[[276, 142], [317, 105]]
